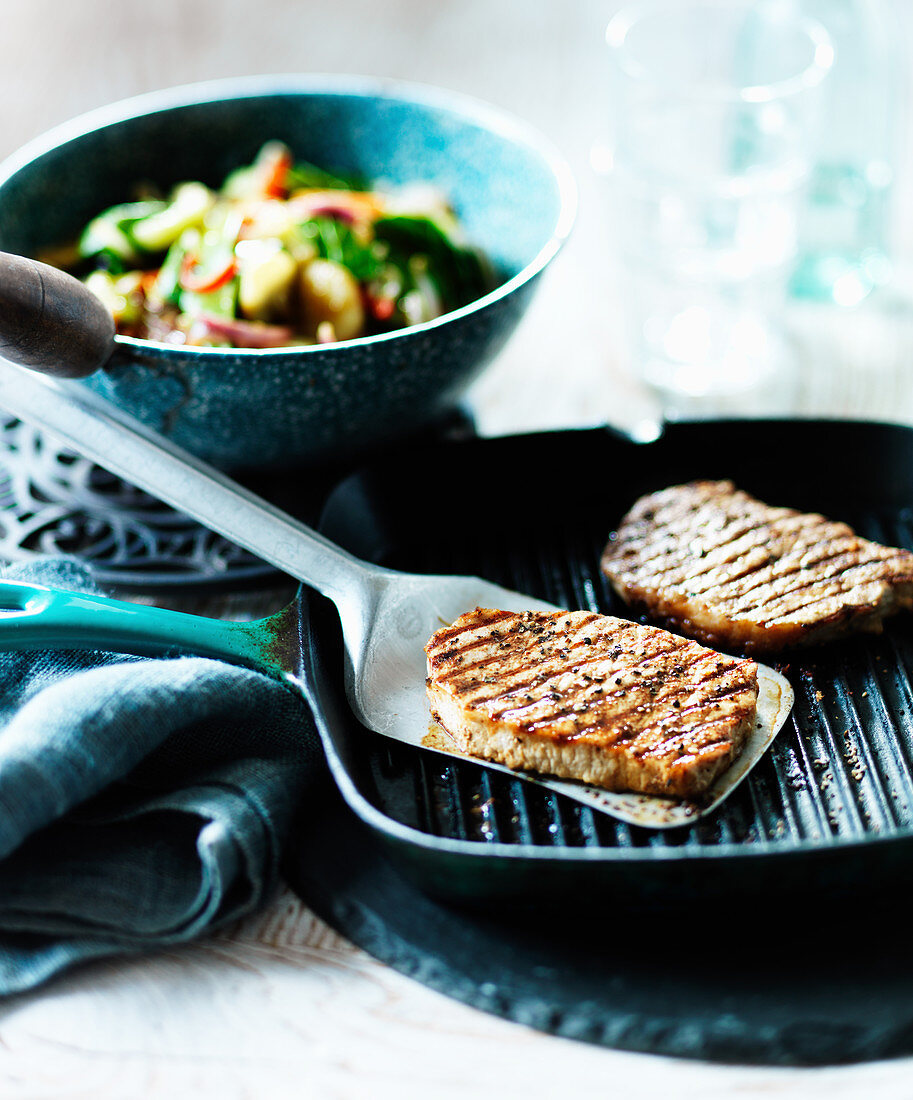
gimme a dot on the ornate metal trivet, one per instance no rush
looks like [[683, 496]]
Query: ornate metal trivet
[[55, 502]]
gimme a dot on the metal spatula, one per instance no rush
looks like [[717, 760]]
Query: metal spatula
[[386, 616]]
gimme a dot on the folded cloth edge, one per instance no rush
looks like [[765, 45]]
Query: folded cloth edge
[[33, 946]]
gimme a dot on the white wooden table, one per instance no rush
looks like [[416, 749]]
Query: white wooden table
[[280, 1005]]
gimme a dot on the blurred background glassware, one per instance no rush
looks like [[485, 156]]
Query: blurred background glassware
[[844, 241], [713, 103]]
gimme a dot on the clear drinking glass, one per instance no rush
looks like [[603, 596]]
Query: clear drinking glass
[[713, 105], [844, 239]]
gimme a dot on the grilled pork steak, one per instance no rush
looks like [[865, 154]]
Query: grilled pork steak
[[714, 563], [590, 697]]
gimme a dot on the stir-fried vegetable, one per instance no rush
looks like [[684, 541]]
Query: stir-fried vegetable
[[283, 253]]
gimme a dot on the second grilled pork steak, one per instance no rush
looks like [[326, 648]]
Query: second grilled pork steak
[[591, 697], [721, 566]]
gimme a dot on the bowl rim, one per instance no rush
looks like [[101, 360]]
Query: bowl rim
[[492, 118]]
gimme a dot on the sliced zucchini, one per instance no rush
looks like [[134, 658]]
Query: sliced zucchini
[[189, 205]]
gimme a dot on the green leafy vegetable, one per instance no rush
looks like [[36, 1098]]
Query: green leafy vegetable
[[459, 272], [336, 240], [304, 174]]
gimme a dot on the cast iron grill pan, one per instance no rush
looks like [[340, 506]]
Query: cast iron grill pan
[[830, 808]]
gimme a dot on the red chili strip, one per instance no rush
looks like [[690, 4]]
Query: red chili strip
[[207, 281]]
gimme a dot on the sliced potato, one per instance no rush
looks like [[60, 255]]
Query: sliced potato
[[330, 293], [267, 278]]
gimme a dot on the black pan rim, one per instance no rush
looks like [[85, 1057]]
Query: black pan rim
[[401, 834]]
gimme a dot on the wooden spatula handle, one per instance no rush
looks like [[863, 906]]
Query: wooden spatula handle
[[49, 321]]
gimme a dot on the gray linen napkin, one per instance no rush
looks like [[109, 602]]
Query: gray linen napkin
[[142, 802]]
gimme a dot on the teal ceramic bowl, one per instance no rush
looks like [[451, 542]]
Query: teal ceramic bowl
[[260, 408]]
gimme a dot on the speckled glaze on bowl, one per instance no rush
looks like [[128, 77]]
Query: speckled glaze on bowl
[[247, 408]]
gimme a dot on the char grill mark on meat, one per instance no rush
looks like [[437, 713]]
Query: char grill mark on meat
[[721, 566], [591, 697]]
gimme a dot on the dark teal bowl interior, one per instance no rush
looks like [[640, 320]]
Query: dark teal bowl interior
[[254, 408]]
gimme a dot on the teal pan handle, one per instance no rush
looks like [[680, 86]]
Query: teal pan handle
[[35, 617]]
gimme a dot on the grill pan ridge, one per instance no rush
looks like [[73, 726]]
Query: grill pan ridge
[[831, 804]]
